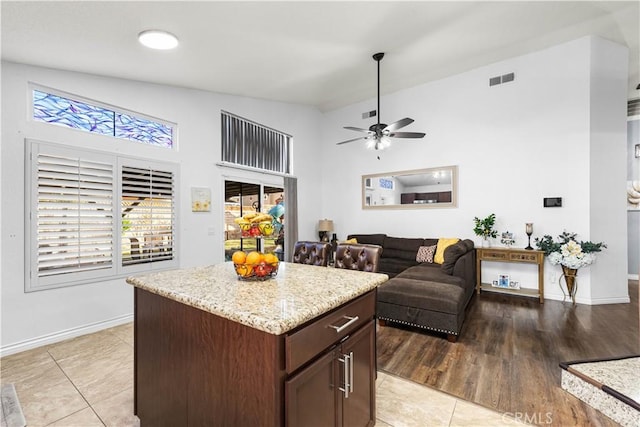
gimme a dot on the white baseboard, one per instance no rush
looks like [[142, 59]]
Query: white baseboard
[[632, 277], [617, 300], [63, 335]]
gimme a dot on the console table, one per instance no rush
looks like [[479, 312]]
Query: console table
[[511, 255]]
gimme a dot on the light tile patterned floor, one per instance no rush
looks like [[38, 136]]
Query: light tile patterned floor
[[88, 381]]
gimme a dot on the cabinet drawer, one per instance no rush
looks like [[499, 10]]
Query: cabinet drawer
[[306, 343], [488, 254], [520, 257]]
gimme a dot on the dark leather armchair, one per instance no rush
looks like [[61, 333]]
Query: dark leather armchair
[[358, 257], [312, 253]]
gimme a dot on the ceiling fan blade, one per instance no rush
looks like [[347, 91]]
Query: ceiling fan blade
[[352, 140], [358, 129], [399, 124], [407, 135]]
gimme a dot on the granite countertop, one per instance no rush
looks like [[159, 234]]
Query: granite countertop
[[296, 295]]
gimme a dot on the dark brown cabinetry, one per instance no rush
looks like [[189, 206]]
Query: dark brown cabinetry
[[436, 197], [194, 368], [338, 389]]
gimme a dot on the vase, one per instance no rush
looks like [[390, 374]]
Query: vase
[[486, 243], [571, 280]]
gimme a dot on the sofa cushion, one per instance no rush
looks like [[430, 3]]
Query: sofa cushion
[[402, 248], [425, 253], [442, 245], [393, 266], [453, 252], [425, 295], [369, 239], [431, 273]]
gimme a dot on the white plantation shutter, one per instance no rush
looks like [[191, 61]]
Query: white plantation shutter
[[72, 216], [148, 215], [81, 203]]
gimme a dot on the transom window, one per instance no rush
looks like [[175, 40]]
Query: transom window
[[74, 112], [247, 143]]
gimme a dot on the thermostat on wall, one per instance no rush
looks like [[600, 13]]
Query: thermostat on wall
[[553, 202]]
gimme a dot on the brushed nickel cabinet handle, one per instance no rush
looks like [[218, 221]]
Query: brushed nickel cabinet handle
[[351, 321], [351, 371], [347, 376]]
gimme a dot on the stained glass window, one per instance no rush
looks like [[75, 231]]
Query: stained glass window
[[73, 114], [386, 183], [143, 130], [63, 111]]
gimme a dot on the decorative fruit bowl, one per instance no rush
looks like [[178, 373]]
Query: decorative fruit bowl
[[255, 265], [256, 272], [256, 229]]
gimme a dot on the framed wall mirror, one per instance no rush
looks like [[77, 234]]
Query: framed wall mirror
[[411, 189]]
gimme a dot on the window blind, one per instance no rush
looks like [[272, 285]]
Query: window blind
[[74, 214], [148, 215], [251, 144]]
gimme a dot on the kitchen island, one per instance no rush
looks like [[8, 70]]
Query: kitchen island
[[297, 349]]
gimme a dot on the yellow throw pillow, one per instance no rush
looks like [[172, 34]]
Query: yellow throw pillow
[[351, 241], [442, 245]]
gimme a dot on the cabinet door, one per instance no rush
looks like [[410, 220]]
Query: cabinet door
[[359, 407], [311, 396], [407, 198]]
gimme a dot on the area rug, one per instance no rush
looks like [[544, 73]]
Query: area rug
[[12, 415], [611, 386]]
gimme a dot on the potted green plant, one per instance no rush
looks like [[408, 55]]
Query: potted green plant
[[484, 229]]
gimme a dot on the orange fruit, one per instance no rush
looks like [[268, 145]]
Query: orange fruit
[[271, 259], [238, 257], [254, 258]]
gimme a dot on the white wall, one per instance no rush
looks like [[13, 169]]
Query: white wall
[[36, 318], [633, 215], [608, 161], [514, 143]]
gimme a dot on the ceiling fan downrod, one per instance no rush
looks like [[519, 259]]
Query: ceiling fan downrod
[[378, 57]]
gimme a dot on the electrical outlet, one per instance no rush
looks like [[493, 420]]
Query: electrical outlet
[[553, 277]]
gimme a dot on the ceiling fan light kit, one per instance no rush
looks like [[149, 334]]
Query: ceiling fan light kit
[[379, 134]]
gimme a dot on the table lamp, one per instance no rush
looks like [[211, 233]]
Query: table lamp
[[325, 226]]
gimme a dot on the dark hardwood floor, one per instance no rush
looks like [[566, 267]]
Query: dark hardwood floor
[[508, 352]]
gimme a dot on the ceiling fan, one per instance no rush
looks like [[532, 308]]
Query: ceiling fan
[[378, 134]]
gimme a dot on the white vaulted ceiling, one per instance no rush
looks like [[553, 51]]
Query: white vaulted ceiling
[[313, 53]]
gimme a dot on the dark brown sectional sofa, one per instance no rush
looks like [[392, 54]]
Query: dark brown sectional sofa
[[425, 295]]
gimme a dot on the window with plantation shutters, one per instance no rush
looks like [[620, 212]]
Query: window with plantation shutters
[[147, 203], [94, 216]]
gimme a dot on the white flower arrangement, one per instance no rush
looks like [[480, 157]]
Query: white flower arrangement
[[571, 256], [568, 252]]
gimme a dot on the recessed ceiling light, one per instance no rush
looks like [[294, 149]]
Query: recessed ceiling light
[[158, 39]]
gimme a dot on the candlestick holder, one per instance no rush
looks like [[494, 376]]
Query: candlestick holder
[[529, 231]]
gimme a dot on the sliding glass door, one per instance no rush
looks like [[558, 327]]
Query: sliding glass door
[[243, 200]]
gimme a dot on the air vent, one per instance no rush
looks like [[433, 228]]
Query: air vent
[[505, 78], [633, 107], [368, 114]]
